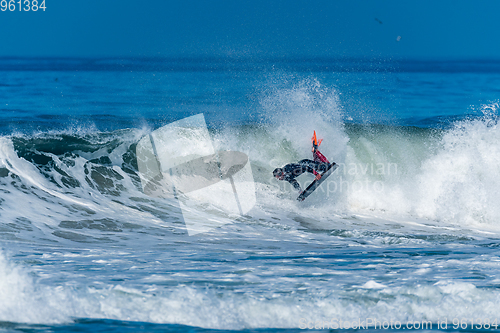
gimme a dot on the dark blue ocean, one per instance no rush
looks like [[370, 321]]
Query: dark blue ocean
[[405, 235]]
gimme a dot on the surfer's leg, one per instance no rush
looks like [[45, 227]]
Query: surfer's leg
[[318, 157]]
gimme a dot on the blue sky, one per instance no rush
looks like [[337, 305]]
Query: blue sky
[[350, 28]]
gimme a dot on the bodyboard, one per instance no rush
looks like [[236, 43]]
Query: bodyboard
[[316, 183]]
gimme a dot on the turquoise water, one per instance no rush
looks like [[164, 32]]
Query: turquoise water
[[406, 231]]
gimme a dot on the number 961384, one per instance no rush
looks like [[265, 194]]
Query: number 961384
[[22, 5]]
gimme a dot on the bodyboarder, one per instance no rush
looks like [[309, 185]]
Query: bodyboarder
[[317, 166]]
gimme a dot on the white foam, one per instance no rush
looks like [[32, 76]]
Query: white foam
[[453, 179], [373, 285], [26, 300], [23, 301], [461, 181]]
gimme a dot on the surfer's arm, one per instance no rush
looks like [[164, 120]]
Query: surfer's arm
[[295, 184]]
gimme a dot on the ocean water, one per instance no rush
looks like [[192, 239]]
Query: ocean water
[[406, 234]]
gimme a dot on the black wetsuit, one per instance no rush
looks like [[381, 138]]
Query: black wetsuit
[[293, 170]]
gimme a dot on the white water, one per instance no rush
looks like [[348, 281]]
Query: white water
[[417, 240]]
